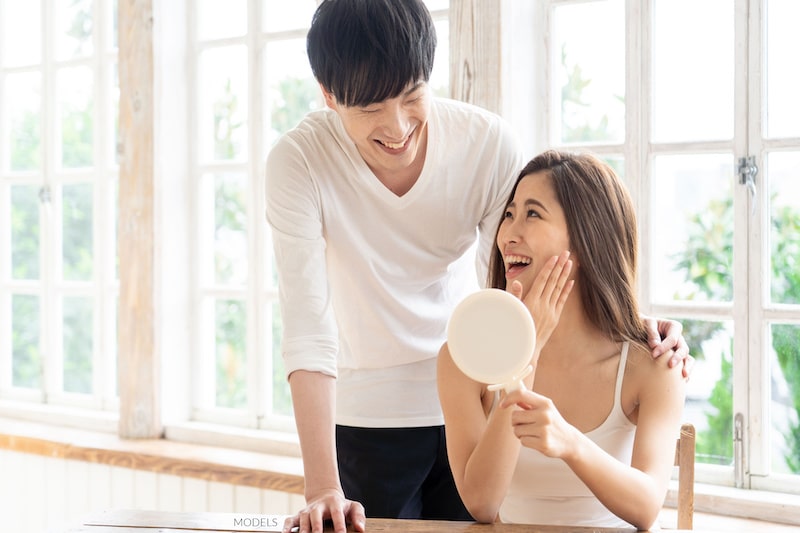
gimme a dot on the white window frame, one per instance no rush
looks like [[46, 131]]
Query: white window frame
[[102, 289]]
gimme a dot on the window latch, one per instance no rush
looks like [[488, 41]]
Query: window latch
[[738, 450], [45, 196], [748, 170]]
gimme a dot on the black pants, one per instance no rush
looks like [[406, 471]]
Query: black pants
[[399, 472]]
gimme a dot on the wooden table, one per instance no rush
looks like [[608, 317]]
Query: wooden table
[[137, 521]]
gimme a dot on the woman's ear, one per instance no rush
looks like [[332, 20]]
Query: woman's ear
[[330, 100]]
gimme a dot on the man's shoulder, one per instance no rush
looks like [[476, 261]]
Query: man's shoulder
[[447, 107], [485, 129], [315, 129], [319, 121]]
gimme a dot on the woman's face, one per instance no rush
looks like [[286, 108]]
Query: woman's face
[[533, 229]]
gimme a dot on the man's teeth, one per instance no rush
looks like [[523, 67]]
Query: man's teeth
[[393, 146], [517, 259]]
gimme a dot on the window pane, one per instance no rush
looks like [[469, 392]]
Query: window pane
[[437, 4], [24, 232], [25, 331], [281, 394], [114, 247], [113, 24], [617, 163], [692, 241], [785, 406], [77, 219], [783, 76], [280, 15], [112, 115], [78, 343], [22, 114], [231, 355], [77, 125], [230, 229], [291, 89], [113, 355], [693, 70], [440, 76], [784, 193], [218, 19], [709, 394], [21, 33], [589, 43], [74, 24], [223, 103]]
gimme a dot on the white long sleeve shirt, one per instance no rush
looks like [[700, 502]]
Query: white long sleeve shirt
[[368, 279]]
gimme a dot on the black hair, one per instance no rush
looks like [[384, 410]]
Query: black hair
[[365, 51]]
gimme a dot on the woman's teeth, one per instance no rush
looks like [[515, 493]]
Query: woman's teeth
[[517, 259]]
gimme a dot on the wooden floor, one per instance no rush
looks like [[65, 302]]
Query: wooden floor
[[726, 524]]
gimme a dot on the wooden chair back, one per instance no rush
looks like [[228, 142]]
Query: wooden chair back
[[684, 460]]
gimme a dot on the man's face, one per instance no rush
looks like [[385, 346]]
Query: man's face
[[390, 135]]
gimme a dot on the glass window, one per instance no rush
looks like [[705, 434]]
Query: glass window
[[76, 104], [783, 78], [22, 112], [784, 202], [25, 236], [709, 392], [693, 67], [223, 103], [74, 25], [589, 45], [78, 340], [58, 135], [231, 354], [77, 237], [785, 397], [219, 19], [22, 33], [25, 347], [280, 15], [290, 88], [691, 245]]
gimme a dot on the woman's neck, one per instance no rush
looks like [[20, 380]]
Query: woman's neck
[[576, 336]]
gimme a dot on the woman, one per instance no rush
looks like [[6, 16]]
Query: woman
[[590, 442]]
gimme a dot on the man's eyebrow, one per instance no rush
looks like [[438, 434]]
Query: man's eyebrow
[[413, 88]]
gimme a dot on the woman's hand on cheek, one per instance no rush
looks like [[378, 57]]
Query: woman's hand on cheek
[[547, 296]]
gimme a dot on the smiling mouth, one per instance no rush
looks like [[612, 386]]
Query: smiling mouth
[[516, 262], [394, 146]]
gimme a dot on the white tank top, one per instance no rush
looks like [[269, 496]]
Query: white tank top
[[545, 490]]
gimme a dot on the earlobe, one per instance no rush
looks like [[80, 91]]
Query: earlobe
[[330, 101]]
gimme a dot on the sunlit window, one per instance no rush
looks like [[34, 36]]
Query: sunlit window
[[58, 285]]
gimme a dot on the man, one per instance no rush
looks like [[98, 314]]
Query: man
[[377, 206]]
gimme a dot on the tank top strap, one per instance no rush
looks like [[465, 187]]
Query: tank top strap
[[623, 359]]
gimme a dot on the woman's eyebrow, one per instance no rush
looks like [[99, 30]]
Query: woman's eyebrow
[[533, 202]]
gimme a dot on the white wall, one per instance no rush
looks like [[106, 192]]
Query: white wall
[[44, 494]]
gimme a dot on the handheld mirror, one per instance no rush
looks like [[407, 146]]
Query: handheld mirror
[[491, 337]]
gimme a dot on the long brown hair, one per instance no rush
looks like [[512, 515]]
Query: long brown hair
[[601, 225]]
